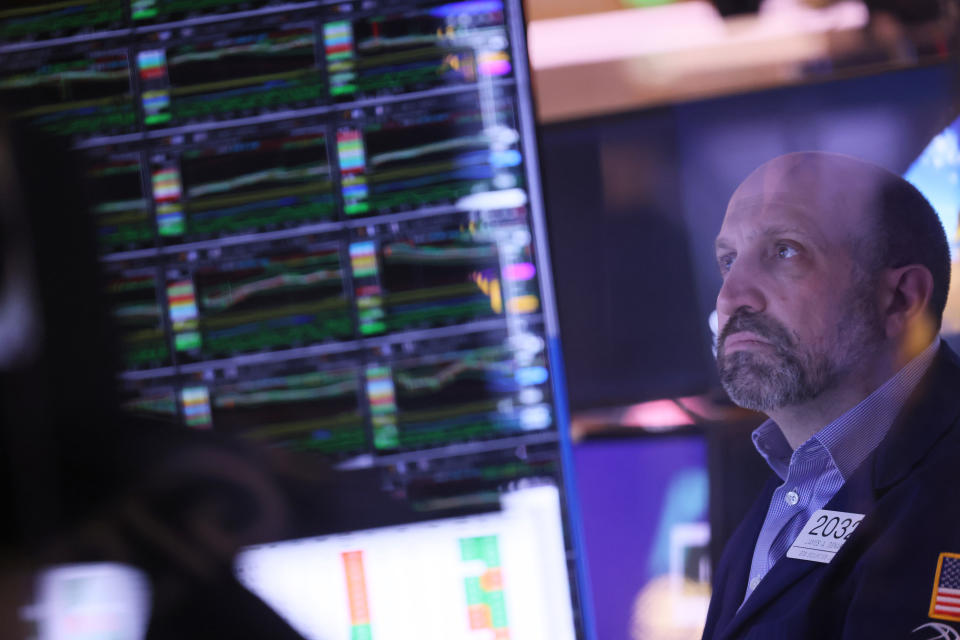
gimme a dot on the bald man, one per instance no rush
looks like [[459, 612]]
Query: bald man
[[835, 276]]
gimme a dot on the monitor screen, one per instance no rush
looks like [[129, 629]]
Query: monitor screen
[[499, 575], [647, 531], [321, 230], [935, 173], [320, 223]]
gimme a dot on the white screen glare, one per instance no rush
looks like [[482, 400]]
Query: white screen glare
[[494, 576]]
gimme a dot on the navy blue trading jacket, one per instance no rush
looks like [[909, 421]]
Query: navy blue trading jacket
[[882, 581]]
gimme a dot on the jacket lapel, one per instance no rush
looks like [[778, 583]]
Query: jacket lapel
[[735, 565], [855, 496], [784, 573]]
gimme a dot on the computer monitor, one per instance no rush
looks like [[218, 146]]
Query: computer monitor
[[499, 575], [935, 173], [321, 229]]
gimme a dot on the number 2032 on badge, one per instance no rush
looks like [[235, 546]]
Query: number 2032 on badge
[[823, 535]]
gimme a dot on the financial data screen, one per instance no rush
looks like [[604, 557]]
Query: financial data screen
[[316, 218], [496, 576], [321, 230]]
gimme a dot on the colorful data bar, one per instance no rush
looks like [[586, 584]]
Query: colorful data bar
[[486, 603], [196, 407], [184, 315], [338, 44], [383, 407], [352, 166], [366, 282], [152, 66], [353, 570], [167, 191]]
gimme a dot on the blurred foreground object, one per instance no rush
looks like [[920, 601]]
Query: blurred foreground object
[[91, 602]]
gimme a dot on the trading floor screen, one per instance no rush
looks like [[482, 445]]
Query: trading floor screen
[[467, 577], [320, 226]]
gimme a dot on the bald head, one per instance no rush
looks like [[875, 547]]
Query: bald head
[[830, 185], [887, 222]]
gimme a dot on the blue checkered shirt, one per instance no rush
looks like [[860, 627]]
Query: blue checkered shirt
[[814, 473]]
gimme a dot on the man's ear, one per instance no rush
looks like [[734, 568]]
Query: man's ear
[[907, 293]]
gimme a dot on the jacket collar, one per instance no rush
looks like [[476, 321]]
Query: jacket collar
[[931, 410]]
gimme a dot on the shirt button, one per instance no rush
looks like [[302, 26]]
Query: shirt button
[[754, 581], [792, 498]]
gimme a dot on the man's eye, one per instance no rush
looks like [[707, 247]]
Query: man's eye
[[725, 262], [786, 251]]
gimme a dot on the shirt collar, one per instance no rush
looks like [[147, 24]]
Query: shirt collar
[[773, 446], [849, 439]]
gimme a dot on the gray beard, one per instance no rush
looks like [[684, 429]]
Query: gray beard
[[764, 382], [790, 373]]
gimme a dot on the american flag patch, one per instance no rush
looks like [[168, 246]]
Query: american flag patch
[[945, 602]]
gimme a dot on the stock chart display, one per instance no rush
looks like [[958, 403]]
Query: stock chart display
[[314, 218], [28, 20], [191, 77], [83, 88], [251, 184], [321, 231]]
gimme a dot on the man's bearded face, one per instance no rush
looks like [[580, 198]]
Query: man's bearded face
[[787, 371]]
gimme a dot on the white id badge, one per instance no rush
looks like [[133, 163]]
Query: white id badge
[[823, 535]]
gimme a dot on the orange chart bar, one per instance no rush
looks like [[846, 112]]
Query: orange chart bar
[[357, 595]]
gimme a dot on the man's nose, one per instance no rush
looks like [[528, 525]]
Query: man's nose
[[741, 289]]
